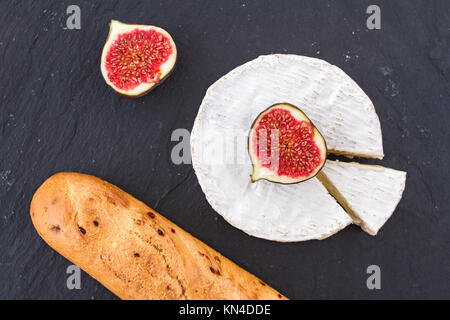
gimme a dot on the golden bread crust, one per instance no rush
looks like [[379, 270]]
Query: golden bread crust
[[131, 249]]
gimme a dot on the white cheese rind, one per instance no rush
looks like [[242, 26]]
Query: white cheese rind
[[294, 212], [372, 192], [336, 105]]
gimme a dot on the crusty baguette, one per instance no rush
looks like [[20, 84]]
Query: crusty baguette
[[132, 250]]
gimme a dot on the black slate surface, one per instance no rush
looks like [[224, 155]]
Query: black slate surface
[[57, 114]]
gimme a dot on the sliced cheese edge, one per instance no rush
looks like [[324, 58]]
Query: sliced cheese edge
[[369, 193], [222, 103]]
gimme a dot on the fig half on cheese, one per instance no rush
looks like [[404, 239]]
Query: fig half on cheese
[[136, 58], [285, 146]]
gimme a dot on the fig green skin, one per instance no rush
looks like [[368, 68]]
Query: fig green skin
[[156, 84], [248, 145]]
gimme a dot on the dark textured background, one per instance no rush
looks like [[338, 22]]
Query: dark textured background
[[57, 114]]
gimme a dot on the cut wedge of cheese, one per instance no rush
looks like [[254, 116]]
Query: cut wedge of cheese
[[219, 144], [369, 193]]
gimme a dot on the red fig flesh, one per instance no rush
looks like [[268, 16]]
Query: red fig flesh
[[285, 146], [136, 58]]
